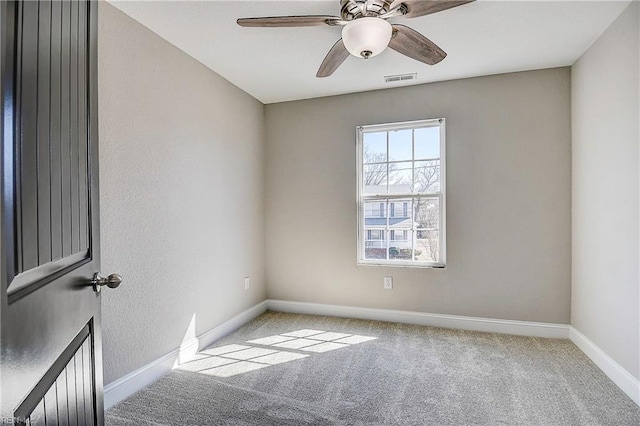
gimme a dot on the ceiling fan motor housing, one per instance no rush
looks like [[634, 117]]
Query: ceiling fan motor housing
[[354, 9]]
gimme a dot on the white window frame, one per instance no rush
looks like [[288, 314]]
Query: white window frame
[[362, 198]]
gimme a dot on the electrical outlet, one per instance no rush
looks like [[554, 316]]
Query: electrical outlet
[[247, 283], [388, 283]]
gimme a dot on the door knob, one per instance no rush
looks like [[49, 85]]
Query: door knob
[[112, 281]]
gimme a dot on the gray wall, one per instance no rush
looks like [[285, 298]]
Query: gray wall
[[508, 190], [181, 175], [605, 305]]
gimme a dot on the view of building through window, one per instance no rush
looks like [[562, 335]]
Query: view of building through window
[[401, 193]]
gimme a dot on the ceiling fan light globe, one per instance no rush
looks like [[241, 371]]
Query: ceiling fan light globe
[[366, 37]]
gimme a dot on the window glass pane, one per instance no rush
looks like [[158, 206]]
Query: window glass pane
[[397, 236], [374, 214], [427, 176], [400, 222], [375, 245], [400, 145], [399, 244], [427, 143], [375, 178], [427, 213], [402, 217], [427, 246], [375, 147], [400, 177]]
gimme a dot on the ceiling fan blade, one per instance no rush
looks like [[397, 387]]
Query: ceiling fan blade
[[417, 8], [290, 21], [333, 60], [416, 46]]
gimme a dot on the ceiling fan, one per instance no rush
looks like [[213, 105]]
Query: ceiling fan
[[366, 32]]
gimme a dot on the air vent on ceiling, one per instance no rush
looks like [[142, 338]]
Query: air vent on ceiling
[[400, 77]]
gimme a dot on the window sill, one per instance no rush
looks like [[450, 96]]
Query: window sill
[[402, 264]]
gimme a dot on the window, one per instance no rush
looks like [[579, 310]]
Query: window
[[402, 165]]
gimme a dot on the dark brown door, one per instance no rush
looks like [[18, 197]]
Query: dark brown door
[[51, 366]]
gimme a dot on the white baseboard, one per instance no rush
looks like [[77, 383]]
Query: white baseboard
[[126, 386], [521, 328], [618, 374], [122, 388]]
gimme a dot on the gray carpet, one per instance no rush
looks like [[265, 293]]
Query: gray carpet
[[377, 373]]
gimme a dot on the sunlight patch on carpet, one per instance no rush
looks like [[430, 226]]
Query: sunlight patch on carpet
[[231, 360]]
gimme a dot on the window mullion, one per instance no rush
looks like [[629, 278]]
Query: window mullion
[[373, 197], [398, 161]]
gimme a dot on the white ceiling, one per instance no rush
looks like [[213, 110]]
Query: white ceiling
[[280, 64]]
